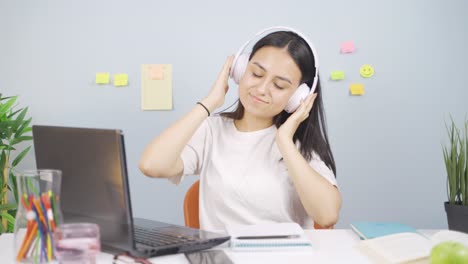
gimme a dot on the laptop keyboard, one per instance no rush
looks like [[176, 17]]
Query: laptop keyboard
[[155, 238]]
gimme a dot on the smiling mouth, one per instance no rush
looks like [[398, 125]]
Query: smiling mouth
[[256, 99]]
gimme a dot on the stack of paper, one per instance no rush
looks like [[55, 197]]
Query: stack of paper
[[272, 236]]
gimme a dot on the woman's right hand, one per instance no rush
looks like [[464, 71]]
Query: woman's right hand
[[215, 97]]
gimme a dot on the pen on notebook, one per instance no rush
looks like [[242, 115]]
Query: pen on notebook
[[267, 237]]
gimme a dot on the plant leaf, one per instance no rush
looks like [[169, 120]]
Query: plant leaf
[[7, 106], [19, 119], [13, 114], [11, 227], [4, 98], [20, 156], [2, 168], [10, 219], [23, 127], [14, 185], [20, 139], [8, 206], [5, 126]]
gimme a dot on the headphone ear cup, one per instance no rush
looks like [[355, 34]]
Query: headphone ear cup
[[239, 67], [295, 100]]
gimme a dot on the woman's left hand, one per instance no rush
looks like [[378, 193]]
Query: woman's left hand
[[288, 128]]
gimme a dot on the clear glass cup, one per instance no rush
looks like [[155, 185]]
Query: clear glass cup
[[77, 243], [37, 216]]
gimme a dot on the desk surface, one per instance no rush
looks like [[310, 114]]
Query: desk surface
[[329, 246]]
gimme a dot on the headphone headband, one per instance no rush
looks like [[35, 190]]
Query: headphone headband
[[283, 28]]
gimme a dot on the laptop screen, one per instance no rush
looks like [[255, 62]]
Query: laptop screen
[[94, 177]]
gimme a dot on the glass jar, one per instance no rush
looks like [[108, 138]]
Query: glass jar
[[38, 215], [77, 243]]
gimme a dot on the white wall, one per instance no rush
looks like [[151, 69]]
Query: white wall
[[387, 144]]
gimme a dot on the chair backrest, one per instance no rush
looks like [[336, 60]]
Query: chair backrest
[[191, 214], [191, 206]]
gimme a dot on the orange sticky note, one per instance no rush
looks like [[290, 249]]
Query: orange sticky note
[[356, 89], [347, 47], [156, 72]]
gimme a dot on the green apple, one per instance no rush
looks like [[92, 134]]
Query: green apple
[[449, 252]]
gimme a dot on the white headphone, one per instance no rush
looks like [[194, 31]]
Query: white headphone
[[241, 60]]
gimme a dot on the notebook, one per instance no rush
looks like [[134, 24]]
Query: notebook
[[266, 237], [368, 230], [407, 247], [95, 188]]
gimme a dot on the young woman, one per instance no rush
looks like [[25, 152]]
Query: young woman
[[258, 163]]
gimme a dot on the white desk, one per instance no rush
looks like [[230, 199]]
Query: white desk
[[329, 246]]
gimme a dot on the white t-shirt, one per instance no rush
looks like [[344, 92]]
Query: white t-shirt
[[242, 177]]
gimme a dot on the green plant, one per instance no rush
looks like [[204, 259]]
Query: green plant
[[13, 130], [456, 163]]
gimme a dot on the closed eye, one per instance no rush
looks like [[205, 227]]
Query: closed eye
[[279, 87], [256, 75]]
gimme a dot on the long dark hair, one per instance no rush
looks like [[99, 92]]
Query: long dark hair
[[312, 132]]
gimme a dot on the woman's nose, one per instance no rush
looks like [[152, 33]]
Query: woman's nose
[[262, 87]]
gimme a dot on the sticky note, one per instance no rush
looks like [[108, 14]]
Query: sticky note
[[102, 78], [337, 75], [121, 79], [356, 89], [156, 71], [156, 87], [366, 71], [347, 47]]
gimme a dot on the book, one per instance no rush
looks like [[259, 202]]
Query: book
[[407, 247], [270, 236], [368, 230]]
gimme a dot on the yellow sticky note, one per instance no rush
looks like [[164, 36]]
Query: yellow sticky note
[[356, 89], [102, 78], [337, 75], [121, 79], [156, 86]]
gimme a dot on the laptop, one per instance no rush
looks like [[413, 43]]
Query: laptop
[[95, 188]]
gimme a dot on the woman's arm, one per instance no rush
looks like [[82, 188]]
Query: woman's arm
[[161, 158], [321, 199]]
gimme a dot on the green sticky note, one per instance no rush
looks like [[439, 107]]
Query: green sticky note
[[120, 79], [102, 78], [337, 75]]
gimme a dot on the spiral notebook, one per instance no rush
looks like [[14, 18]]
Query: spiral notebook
[[265, 237]]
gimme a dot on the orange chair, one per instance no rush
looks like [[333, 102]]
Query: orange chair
[[191, 207]]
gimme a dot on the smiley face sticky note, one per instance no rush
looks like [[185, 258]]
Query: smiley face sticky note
[[102, 78], [347, 47], [120, 79], [366, 71], [337, 75], [356, 89]]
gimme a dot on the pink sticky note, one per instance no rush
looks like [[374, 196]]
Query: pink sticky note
[[347, 47], [156, 72]]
